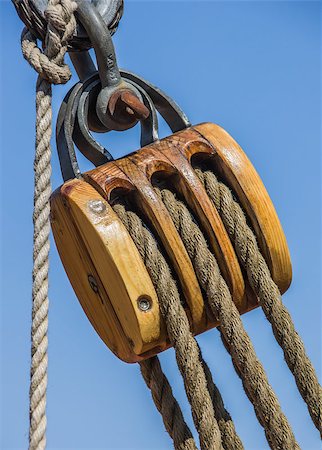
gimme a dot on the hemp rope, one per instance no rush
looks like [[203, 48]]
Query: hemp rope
[[229, 436], [166, 404], [49, 65], [268, 410], [34, 21], [268, 293], [186, 348], [172, 414], [50, 68]]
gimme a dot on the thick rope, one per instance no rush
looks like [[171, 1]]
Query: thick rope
[[229, 436], [172, 415], [167, 405], [50, 63], [35, 22], [61, 24], [268, 410], [186, 348], [268, 293]]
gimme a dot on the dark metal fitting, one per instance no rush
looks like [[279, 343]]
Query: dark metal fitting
[[107, 99], [32, 13], [75, 114], [114, 112], [120, 108], [124, 110]]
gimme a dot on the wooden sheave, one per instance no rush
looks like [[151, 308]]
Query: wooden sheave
[[104, 265]]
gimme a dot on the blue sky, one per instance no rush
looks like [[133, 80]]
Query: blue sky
[[254, 68]]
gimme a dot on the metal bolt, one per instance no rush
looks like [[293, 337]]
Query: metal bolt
[[144, 304], [93, 283], [97, 206]]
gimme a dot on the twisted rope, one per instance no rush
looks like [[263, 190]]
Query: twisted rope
[[269, 296], [50, 63], [186, 348], [229, 436], [50, 67], [266, 405], [167, 405], [34, 21]]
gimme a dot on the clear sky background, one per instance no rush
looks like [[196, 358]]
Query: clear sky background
[[254, 68]]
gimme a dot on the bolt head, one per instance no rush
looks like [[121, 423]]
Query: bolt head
[[144, 304], [97, 206]]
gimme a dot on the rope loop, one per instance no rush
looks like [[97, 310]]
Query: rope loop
[[50, 66], [49, 63]]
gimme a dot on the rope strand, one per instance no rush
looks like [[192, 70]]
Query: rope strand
[[186, 348], [214, 425], [229, 436], [167, 405], [51, 69], [269, 296], [268, 410]]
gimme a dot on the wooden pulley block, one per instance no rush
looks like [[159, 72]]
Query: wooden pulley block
[[103, 263]]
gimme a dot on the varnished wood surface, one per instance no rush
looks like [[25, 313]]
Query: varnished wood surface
[[158, 218], [187, 184], [100, 246], [233, 166]]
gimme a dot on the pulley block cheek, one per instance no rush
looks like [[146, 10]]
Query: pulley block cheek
[[228, 160], [103, 263], [106, 271]]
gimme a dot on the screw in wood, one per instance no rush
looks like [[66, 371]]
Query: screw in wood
[[144, 304]]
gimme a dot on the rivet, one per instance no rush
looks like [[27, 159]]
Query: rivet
[[97, 206], [144, 304], [93, 283]]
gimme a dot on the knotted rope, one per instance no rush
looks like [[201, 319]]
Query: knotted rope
[[36, 23], [268, 410], [51, 69], [269, 296]]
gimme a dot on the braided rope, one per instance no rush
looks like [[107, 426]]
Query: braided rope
[[186, 348], [61, 24], [167, 405], [269, 296], [268, 410]]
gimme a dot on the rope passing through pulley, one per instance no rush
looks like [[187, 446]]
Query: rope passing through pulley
[[159, 246]]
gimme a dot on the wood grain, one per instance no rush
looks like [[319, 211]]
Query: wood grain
[[187, 184], [233, 166], [158, 218], [99, 245]]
